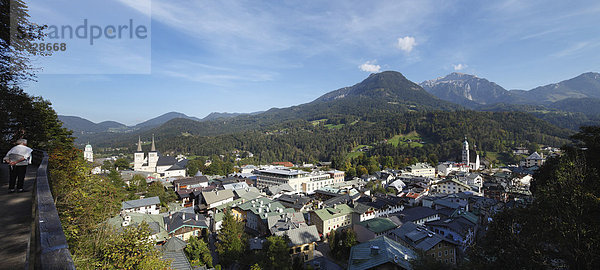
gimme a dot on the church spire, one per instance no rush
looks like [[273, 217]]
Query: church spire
[[153, 149], [139, 144]]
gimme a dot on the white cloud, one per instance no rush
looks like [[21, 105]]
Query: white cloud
[[406, 43], [370, 66], [459, 67]]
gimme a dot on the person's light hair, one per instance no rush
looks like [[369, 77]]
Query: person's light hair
[[22, 141]]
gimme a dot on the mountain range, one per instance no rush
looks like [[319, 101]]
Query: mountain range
[[384, 93], [81, 125], [473, 92]]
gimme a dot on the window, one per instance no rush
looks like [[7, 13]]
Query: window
[[451, 260], [446, 252], [307, 247], [439, 254]]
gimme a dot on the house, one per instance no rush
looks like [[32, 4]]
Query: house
[[247, 194], [302, 241], [421, 169], [172, 251], [217, 197], [190, 183], [534, 159], [459, 228], [419, 215], [420, 238], [297, 202], [280, 189], [448, 167], [156, 224], [332, 218], [236, 185], [193, 196], [184, 224], [383, 205], [256, 213], [398, 185], [145, 206], [380, 253], [339, 199], [285, 221], [450, 186], [362, 212], [520, 151], [372, 228]]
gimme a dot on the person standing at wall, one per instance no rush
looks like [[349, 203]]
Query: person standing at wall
[[18, 158]]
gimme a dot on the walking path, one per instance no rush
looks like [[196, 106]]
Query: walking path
[[15, 220]]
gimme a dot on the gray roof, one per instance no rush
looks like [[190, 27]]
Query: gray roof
[[178, 260], [140, 203], [535, 156], [176, 167], [293, 201], [166, 161], [446, 203], [416, 213], [280, 188], [216, 196], [173, 250], [196, 180], [418, 237], [342, 199], [420, 166], [285, 221], [362, 256], [360, 208], [459, 225], [174, 244], [180, 219], [302, 235]]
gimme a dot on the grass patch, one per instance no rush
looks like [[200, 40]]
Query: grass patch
[[353, 155], [331, 126], [409, 140], [361, 146], [317, 122]]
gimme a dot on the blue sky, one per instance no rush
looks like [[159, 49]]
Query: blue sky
[[245, 56]]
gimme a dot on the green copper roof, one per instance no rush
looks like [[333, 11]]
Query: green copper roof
[[333, 212], [378, 225]]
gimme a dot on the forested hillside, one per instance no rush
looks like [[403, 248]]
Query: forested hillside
[[441, 132]]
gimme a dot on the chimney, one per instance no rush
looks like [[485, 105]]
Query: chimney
[[170, 215], [374, 250], [196, 217], [183, 216]]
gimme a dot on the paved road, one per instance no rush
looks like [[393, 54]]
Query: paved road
[[15, 220]]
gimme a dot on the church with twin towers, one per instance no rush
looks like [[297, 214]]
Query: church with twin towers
[[154, 162]]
